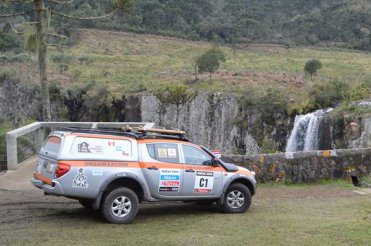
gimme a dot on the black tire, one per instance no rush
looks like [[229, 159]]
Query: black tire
[[120, 197], [231, 201], [88, 204]]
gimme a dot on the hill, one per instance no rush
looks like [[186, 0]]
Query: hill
[[344, 23], [136, 63]]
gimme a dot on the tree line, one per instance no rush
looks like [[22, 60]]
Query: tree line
[[346, 23]]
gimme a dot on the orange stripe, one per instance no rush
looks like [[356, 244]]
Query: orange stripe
[[118, 164], [42, 178], [180, 166], [100, 163]]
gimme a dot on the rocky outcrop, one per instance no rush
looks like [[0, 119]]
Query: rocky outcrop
[[18, 101], [364, 129], [208, 119]]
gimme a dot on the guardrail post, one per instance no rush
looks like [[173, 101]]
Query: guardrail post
[[39, 139], [11, 151]]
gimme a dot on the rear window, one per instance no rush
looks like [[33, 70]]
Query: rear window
[[52, 144], [164, 152]]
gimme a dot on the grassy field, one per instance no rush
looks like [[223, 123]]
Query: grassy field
[[134, 63], [322, 214]]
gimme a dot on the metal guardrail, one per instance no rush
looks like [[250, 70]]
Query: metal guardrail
[[38, 131]]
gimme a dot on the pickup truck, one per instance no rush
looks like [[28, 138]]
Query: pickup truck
[[114, 171]]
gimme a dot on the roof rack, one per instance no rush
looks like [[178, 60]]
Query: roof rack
[[137, 133], [103, 130]]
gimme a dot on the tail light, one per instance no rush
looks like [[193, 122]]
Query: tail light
[[62, 169]]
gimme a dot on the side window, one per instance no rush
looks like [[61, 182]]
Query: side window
[[195, 156], [164, 152]]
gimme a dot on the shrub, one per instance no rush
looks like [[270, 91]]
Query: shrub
[[9, 41], [87, 60], [328, 94], [62, 58], [210, 61], [312, 66]]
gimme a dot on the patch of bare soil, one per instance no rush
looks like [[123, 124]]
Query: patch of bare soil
[[20, 208]]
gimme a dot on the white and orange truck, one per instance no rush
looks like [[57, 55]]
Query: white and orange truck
[[113, 171]]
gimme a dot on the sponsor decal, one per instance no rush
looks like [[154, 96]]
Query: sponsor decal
[[84, 147], [169, 180], [80, 180], [97, 172], [118, 148], [171, 152], [217, 153], [162, 153], [106, 164], [125, 153], [204, 182]]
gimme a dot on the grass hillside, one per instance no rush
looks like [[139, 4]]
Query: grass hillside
[[137, 63]]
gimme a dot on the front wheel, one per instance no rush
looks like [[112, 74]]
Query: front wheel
[[120, 206], [237, 199]]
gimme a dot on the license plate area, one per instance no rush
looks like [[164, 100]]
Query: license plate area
[[50, 168]]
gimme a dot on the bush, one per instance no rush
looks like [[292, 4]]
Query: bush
[[328, 94], [85, 60], [9, 41], [210, 61], [271, 102], [312, 66], [62, 58]]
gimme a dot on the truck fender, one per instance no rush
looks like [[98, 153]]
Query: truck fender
[[238, 177], [116, 176]]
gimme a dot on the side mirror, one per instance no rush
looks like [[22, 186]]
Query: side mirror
[[215, 162]]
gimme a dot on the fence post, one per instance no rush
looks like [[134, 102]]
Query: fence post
[[11, 151], [39, 139]]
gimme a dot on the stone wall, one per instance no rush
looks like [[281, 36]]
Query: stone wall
[[305, 167]]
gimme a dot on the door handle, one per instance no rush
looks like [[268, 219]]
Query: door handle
[[190, 171], [152, 168]]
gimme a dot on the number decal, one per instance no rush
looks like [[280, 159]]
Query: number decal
[[204, 182]]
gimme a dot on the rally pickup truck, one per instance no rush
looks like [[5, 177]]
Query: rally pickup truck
[[113, 171]]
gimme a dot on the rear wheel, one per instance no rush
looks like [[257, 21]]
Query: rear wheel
[[120, 206], [237, 199]]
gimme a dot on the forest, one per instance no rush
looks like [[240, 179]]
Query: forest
[[340, 23]]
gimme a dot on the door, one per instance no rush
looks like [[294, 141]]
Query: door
[[201, 178], [162, 169]]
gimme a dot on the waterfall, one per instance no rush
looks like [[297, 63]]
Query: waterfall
[[305, 134]]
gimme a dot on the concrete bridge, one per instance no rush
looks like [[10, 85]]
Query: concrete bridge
[[297, 167]]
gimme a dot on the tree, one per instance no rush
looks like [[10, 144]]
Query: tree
[[210, 61], [312, 66], [36, 34]]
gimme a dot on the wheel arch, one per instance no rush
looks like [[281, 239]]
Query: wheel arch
[[122, 180], [250, 184]]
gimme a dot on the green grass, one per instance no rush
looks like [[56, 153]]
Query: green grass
[[148, 61], [322, 214]]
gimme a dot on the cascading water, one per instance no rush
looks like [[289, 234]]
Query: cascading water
[[305, 134]]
